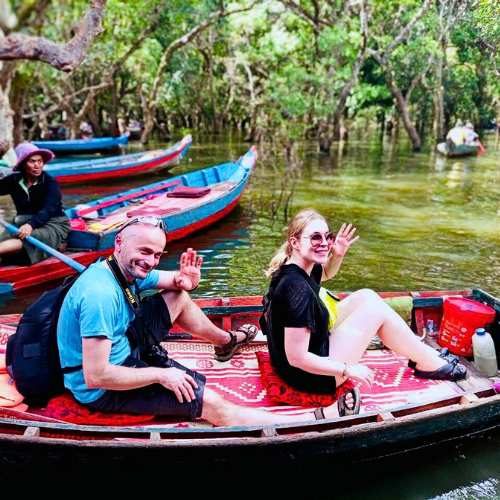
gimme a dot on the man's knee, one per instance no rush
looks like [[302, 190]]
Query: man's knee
[[177, 301]]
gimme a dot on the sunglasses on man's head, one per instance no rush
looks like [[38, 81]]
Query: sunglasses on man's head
[[150, 220], [317, 238]]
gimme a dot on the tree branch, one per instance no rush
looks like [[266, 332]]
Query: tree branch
[[64, 57], [184, 40], [405, 32], [154, 21], [69, 98], [314, 20]]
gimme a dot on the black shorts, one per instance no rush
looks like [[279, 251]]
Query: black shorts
[[153, 399]]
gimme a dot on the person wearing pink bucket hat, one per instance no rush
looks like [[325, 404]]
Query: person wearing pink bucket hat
[[38, 201], [25, 150]]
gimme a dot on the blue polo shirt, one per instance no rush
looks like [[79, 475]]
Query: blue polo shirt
[[95, 306]]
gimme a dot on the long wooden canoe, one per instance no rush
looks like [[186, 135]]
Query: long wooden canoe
[[123, 166], [218, 190], [422, 417], [76, 146], [457, 151]]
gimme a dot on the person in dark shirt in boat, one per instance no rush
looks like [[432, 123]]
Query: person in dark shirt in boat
[[97, 321], [37, 198], [316, 341]]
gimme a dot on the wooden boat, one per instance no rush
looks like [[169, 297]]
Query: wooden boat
[[440, 412], [218, 190], [122, 166], [186, 203], [79, 146], [457, 151]]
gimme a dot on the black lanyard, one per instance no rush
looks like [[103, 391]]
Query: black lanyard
[[131, 297]]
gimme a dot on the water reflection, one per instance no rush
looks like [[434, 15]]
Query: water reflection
[[425, 223]]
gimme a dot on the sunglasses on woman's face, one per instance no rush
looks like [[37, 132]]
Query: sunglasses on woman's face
[[316, 239]]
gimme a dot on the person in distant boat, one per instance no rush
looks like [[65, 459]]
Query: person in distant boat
[[471, 136], [86, 131], [99, 328], [457, 135], [316, 341], [37, 198]]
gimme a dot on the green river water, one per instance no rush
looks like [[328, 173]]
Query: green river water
[[424, 222]]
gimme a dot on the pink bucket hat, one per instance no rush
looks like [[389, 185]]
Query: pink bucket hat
[[27, 149]]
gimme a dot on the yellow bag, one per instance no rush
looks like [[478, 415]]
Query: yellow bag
[[330, 302]]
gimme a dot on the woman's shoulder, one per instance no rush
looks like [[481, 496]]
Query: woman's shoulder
[[292, 280]]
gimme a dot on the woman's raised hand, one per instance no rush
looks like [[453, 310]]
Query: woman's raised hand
[[344, 239]]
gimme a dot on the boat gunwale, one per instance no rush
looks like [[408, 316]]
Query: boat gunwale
[[151, 436]]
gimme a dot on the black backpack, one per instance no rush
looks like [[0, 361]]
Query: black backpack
[[32, 356]]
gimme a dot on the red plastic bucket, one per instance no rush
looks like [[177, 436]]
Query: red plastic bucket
[[461, 317]]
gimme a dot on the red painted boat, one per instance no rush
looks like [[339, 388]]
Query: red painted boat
[[399, 412], [102, 169]]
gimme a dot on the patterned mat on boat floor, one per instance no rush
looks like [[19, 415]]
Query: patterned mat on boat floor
[[238, 380]]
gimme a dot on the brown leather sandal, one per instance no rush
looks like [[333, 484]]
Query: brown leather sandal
[[227, 351]]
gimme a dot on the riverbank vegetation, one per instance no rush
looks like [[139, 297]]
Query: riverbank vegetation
[[277, 70]]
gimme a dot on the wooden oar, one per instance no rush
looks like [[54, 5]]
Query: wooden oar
[[42, 246]]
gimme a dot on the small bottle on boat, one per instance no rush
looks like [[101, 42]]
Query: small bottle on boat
[[431, 330], [485, 357]]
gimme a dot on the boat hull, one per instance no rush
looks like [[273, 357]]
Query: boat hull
[[457, 151], [179, 224], [118, 167], [370, 435], [75, 146]]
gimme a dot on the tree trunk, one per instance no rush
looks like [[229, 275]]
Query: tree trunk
[[6, 117], [404, 111], [326, 135], [113, 112], [438, 124], [17, 99], [149, 123]]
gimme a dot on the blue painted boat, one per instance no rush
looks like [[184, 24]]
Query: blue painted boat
[[186, 203], [75, 146], [122, 166]]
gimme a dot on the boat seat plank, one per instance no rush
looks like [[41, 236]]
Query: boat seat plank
[[32, 432], [154, 436], [468, 398], [385, 417]]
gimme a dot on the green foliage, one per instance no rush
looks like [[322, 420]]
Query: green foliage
[[271, 67]]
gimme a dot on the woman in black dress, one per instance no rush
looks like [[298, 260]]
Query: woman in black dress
[[315, 348]]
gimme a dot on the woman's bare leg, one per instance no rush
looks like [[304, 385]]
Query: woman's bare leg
[[364, 314]]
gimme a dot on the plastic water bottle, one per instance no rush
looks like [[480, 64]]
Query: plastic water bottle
[[485, 357], [431, 331]]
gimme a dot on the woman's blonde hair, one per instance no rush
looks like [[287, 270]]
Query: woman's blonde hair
[[295, 228]]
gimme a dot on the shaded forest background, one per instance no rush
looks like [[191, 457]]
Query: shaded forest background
[[279, 71]]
